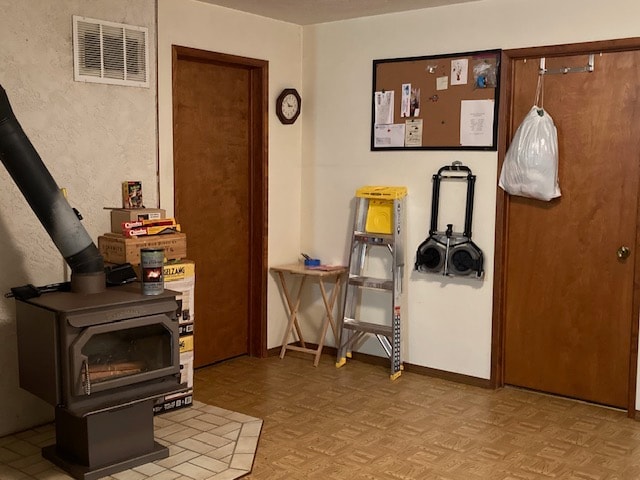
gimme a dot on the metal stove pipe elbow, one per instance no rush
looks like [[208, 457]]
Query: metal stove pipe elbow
[[42, 193]]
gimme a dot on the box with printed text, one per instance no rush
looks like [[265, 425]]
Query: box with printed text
[[120, 215], [186, 368], [173, 402], [180, 276], [119, 249], [132, 194]]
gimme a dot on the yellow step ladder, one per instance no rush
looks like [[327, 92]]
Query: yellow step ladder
[[378, 223]]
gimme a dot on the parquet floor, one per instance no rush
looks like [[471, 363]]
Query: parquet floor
[[353, 423]]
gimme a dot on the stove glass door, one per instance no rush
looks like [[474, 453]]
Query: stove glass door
[[121, 353]]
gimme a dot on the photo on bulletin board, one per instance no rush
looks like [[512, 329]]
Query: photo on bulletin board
[[439, 102]]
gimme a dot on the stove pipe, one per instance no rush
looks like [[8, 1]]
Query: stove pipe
[[48, 203]]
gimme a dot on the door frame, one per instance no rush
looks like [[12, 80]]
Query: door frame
[[258, 181], [502, 205]]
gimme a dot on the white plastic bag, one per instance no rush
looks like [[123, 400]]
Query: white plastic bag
[[530, 166]]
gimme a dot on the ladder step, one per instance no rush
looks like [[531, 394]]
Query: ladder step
[[371, 282], [367, 327], [374, 238]]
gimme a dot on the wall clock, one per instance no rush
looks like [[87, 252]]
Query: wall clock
[[288, 106]]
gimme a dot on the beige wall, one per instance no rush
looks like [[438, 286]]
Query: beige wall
[[91, 137], [449, 320]]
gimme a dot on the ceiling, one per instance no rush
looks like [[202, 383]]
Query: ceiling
[[309, 12]]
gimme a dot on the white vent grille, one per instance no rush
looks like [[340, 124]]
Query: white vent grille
[[107, 52]]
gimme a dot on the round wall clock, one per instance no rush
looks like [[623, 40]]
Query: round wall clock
[[288, 106]]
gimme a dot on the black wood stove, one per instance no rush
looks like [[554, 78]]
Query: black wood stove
[[100, 356], [101, 360]]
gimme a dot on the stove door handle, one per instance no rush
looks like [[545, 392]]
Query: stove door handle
[[86, 379]]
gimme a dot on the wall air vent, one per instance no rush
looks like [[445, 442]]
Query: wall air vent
[[107, 52]]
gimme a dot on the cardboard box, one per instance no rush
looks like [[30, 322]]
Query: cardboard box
[[185, 328], [176, 270], [179, 276], [118, 249], [173, 402], [155, 230], [183, 398], [181, 269], [186, 344], [119, 215], [186, 368], [185, 299]]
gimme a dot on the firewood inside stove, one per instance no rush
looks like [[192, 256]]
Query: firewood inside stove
[[99, 372]]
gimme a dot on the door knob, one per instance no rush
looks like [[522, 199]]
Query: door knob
[[623, 252]]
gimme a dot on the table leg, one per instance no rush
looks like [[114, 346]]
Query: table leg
[[293, 312], [328, 319], [334, 297]]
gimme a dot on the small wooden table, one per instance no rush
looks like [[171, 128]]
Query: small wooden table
[[328, 273]]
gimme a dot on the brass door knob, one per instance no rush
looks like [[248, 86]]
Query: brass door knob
[[623, 252]]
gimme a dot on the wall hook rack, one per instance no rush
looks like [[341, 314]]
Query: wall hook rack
[[564, 70]]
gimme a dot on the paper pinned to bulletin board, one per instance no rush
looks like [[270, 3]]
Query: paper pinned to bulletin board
[[441, 102]]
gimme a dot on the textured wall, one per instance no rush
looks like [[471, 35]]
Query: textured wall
[[90, 136]]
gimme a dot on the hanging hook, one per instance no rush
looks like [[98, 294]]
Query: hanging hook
[[543, 66]]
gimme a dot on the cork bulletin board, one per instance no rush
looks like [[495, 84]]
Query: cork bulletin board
[[442, 102]]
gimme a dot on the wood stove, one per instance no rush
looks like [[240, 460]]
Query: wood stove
[[101, 360], [100, 355]]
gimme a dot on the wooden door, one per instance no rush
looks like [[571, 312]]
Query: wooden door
[[569, 298], [219, 197]]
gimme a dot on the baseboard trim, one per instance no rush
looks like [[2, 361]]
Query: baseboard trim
[[408, 367], [450, 376]]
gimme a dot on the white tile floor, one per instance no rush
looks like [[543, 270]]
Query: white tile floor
[[205, 443]]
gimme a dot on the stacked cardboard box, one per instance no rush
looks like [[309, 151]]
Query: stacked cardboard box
[[116, 248], [180, 276]]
